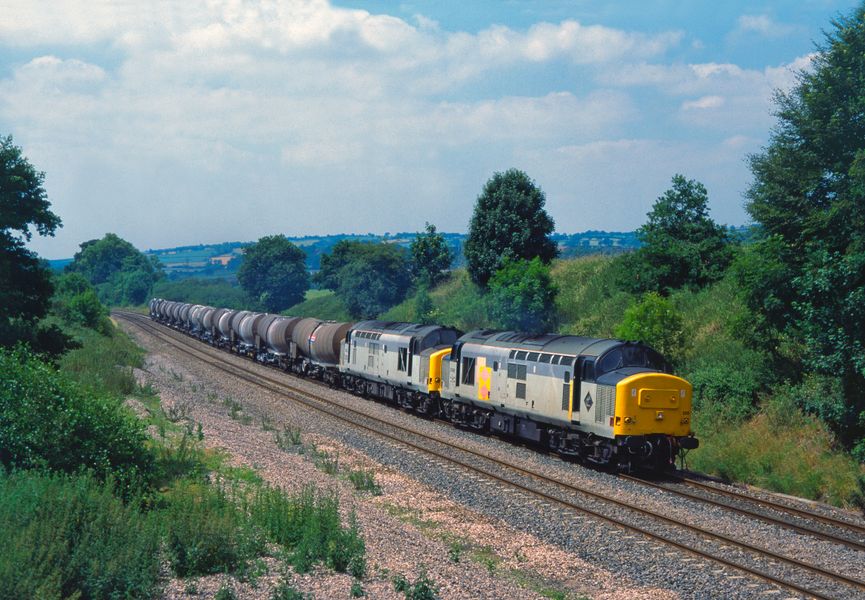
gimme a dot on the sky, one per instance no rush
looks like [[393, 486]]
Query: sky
[[178, 123]]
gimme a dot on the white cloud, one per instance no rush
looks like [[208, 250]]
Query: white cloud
[[763, 25], [720, 96], [703, 103], [284, 116]]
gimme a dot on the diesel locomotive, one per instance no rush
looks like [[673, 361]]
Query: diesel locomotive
[[602, 401]]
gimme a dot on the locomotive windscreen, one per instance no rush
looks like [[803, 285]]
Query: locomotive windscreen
[[622, 357]]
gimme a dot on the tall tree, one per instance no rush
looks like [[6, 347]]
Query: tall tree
[[809, 197], [368, 278], [682, 245], [330, 264], [430, 256], [509, 221], [274, 272], [376, 278], [25, 282], [121, 273]]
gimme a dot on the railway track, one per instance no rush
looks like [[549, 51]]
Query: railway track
[[807, 514], [840, 585], [848, 539]]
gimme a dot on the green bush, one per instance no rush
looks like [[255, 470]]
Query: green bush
[[225, 592], [49, 422], [309, 525], [423, 588], [104, 362], [75, 301], [208, 530], [65, 536], [781, 449], [728, 378], [655, 321], [522, 296], [210, 292], [364, 481], [285, 591]]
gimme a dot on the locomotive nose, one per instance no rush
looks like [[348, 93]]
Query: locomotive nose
[[653, 404]]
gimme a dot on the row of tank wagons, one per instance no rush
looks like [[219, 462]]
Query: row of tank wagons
[[305, 346]]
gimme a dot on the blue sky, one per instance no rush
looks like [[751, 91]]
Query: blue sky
[[181, 123]]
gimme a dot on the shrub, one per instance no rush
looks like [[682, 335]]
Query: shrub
[[75, 301], [728, 378], [364, 481], [522, 296], [180, 456], [284, 591], [655, 321], [289, 439], [104, 363], [308, 525], [225, 592], [208, 530], [781, 449], [423, 588], [49, 422], [210, 292], [70, 535]]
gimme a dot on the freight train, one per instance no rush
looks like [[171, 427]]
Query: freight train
[[602, 401]]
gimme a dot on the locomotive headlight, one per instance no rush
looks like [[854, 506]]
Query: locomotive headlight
[[685, 421], [629, 420]]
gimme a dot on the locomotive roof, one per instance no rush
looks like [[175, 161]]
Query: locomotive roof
[[397, 327], [574, 345]]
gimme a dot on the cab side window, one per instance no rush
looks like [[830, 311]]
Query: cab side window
[[468, 369], [588, 373]]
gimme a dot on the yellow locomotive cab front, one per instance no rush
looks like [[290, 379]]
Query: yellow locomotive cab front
[[653, 404]]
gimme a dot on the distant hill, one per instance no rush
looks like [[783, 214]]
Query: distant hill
[[223, 259]]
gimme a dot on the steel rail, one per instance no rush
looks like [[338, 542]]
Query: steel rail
[[807, 514], [805, 529]]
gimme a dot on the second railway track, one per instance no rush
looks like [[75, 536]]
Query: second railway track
[[851, 530], [812, 580]]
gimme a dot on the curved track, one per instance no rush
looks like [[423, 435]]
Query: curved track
[[852, 528], [849, 539], [815, 576]]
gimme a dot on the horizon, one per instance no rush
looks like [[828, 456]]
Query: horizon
[[397, 234], [167, 123]]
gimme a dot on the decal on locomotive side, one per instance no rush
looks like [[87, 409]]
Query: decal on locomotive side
[[485, 379]]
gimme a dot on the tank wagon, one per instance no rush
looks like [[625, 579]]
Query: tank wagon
[[603, 401]]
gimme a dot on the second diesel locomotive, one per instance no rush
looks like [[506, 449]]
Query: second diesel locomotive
[[604, 401]]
